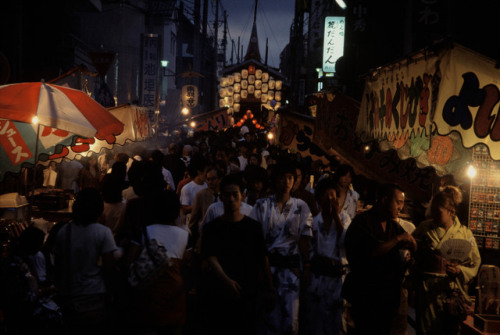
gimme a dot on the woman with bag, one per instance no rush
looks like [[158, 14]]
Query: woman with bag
[[158, 297], [83, 265], [440, 284]]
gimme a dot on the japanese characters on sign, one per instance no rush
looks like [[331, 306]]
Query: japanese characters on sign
[[150, 67], [189, 96], [13, 143], [333, 41]]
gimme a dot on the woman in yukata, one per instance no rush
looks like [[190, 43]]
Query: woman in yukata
[[434, 277], [347, 197], [286, 222], [324, 303]]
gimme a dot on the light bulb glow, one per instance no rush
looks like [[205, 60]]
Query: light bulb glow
[[192, 124], [185, 111], [270, 136], [471, 171], [34, 120]]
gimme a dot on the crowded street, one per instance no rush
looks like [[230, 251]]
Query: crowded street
[[286, 167]]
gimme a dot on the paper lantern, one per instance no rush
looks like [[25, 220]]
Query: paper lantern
[[229, 90], [279, 84], [244, 94], [237, 77], [230, 80], [236, 97], [244, 74], [244, 84], [272, 84], [251, 89], [265, 77], [226, 101], [270, 95], [222, 92], [254, 121], [265, 87], [257, 94], [236, 87], [230, 111], [236, 107], [251, 79], [258, 84], [230, 101], [223, 82], [221, 103], [277, 96], [258, 74], [263, 98]]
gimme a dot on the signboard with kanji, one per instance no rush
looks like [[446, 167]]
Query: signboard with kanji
[[333, 41], [189, 96], [150, 68]]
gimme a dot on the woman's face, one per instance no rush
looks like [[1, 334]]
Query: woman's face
[[442, 215], [345, 180]]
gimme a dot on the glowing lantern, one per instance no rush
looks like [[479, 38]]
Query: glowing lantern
[[244, 94], [222, 92], [237, 87], [263, 98], [272, 84], [251, 89], [270, 95], [237, 77], [258, 73], [221, 103], [254, 121], [236, 107], [223, 82], [279, 84], [251, 69], [265, 77], [229, 91], [244, 74], [244, 84], [257, 94], [258, 84], [230, 80], [277, 96], [264, 87], [251, 79], [236, 98]]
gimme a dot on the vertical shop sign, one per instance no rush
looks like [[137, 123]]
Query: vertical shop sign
[[150, 68], [333, 41], [189, 96]]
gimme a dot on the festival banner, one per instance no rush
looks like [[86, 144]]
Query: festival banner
[[212, 121]]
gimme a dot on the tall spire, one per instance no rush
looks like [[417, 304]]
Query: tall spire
[[253, 45]]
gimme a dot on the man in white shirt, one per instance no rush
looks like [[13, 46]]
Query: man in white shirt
[[196, 169]]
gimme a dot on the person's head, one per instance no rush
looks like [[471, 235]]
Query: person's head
[[30, 241], [326, 194], [243, 150], [444, 205], [343, 175], [88, 206], [283, 176], [119, 171], [231, 188], [187, 150], [214, 177], [300, 177], [165, 207], [391, 199], [121, 157], [196, 169], [256, 178], [221, 155], [149, 181], [254, 159], [157, 157]]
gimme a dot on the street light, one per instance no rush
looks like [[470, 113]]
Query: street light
[[185, 111]]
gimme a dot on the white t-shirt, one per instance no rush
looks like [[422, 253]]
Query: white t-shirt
[[174, 238], [188, 192], [167, 176], [87, 244]]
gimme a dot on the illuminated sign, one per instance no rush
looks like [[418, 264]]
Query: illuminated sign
[[333, 41]]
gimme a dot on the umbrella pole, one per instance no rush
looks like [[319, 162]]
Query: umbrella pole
[[36, 156]]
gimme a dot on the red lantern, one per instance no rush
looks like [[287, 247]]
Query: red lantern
[[251, 116], [249, 111], [254, 121], [245, 117], [251, 69]]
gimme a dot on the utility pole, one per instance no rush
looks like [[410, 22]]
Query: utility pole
[[232, 51], [238, 51], [224, 40], [267, 50]]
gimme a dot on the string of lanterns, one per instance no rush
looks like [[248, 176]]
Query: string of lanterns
[[248, 116]]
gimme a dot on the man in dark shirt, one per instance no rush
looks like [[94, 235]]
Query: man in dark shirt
[[233, 245], [373, 242]]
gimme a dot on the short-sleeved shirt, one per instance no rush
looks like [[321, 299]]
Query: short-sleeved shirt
[[239, 248], [86, 244], [189, 191]]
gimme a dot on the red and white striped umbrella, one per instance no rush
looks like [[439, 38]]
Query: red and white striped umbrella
[[58, 107]]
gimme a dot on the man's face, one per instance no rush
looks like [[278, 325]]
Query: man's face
[[212, 180], [396, 204], [297, 183], [285, 183], [221, 156], [231, 198]]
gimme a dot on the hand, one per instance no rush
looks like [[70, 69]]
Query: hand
[[234, 288], [408, 239], [452, 269]]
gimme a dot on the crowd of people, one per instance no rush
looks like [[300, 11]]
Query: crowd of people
[[259, 241]]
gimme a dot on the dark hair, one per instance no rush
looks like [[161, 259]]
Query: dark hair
[[387, 191], [150, 180], [232, 179], [343, 170], [88, 206], [197, 163], [322, 186], [30, 241], [165, 207], [282, 168]]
